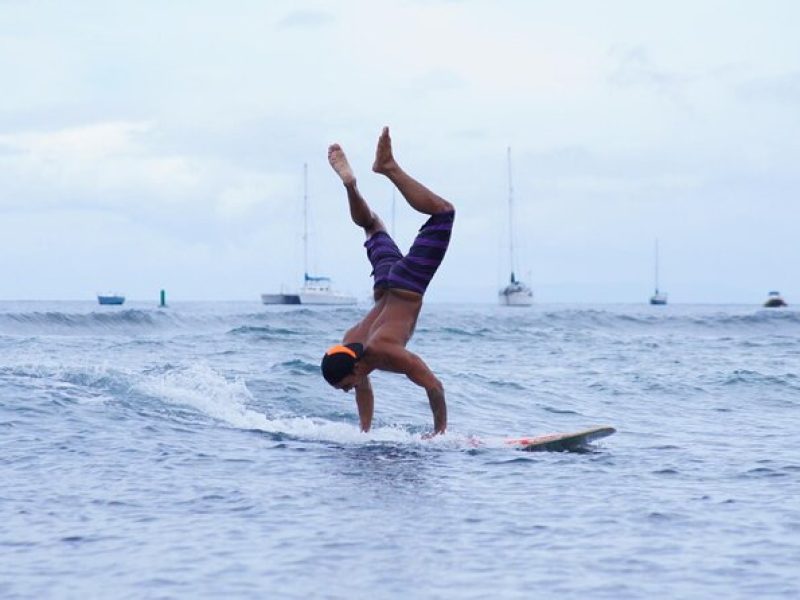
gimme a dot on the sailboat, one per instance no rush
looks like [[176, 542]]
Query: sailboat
[[316, 289], [658, 298], [516, 293]]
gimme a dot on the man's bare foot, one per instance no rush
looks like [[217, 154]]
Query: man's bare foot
[[339, 163], [384, 159]]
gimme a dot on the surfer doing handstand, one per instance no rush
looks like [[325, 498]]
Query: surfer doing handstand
[[379, 340]]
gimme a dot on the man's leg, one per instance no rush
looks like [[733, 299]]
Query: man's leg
[[416, 194], [360, 211]]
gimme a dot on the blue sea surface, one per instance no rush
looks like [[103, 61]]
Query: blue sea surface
[[195, 452]]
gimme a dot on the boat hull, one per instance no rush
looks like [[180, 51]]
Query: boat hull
[[111, 300], [774, 303], [516, 298], [280, 299], [774, 300], [319, 298]]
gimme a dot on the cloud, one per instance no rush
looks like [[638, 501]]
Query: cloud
[[783, 88], [81, 143], [635, 68], [305, 19], [438, 80], [250, 192], [101, 163]]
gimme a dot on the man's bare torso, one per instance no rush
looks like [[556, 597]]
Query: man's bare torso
[[387, 326]]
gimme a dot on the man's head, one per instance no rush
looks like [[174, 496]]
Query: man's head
[[339, 365]]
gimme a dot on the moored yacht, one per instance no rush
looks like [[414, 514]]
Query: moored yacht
[[659, 298], [516, 293], [318, 290], [774, 300], [315, 290]]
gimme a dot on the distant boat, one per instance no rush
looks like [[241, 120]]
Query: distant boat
[[316, 289], [110, 299], [774, 300], [658, 298], [516, 293]]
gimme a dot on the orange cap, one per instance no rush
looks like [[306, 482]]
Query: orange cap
[[339, 349]]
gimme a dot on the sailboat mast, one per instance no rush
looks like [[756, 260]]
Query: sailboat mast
[[656, 268], [510, 217], [305, 220]]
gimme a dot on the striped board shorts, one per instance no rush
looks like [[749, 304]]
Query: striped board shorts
[[415, 270]]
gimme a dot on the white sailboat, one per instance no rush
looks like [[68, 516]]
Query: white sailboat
[[516, 293], [658, 298], [316, 289]]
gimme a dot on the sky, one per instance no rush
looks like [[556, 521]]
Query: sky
[[149, 145]]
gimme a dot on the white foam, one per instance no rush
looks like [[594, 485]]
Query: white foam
[[206, 390]]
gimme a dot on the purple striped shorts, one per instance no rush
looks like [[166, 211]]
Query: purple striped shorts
[[415, 270]]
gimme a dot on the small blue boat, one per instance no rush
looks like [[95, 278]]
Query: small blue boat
[[110, 299]]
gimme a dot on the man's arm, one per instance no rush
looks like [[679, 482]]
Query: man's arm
[[365, 402], [418, 372]]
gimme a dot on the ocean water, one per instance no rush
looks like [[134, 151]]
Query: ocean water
[[195, 452]]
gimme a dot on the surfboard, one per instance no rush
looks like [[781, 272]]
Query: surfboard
[[561, 442]]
